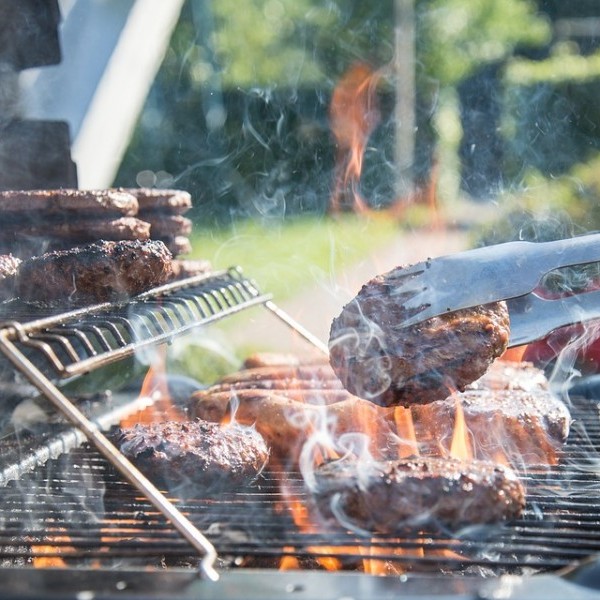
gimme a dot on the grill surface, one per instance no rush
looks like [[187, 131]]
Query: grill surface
[[76, 511], [63, 504]]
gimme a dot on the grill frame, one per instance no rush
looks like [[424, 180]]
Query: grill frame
[[29, 345], [26, 342], [110, 332]]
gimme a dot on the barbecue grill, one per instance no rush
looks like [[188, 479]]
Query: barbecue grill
[[79, 519]]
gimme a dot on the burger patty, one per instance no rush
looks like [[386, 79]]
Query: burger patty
[[524, 427], [197, 452], [30, 204], [280, 360], [157, 200], [165, 226], [97, 272], [509, 412], [287, 423], [59, 233], [397, 495], [317, 372], [184, 268], [509, 375], [379, 359], [177, 245]]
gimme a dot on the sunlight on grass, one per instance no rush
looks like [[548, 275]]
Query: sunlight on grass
[[286, 257]]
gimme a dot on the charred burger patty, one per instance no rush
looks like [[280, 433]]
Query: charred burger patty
[[398, 495], [198, 452], [98, 272], [379, 359]]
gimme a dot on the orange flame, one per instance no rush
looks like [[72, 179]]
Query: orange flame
[[353, 115], [375, 564], [288, 562], [407, 445], [48, 555], [156, 389], [461, 446], [303, 521]]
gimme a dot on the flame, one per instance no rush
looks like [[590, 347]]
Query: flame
[[288, 562], [47, 555], [515, 354], [155, 388], [374, 562], [301, 517], [407, 444], [353, 116], [501, 458], [460, 446]]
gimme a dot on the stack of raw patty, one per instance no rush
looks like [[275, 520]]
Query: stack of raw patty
[[37, 221], [83, 246], [163, 210]]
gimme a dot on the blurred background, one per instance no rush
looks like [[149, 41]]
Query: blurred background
[[322, 141]]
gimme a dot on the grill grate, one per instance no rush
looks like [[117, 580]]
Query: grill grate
[[43, 348], [70, 344], [77, 511]]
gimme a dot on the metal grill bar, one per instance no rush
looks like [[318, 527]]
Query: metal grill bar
[[66, 343], [73, 343], [156, 317]]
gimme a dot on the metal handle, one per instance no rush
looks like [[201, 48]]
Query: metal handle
[[532, 317], [578, 250]]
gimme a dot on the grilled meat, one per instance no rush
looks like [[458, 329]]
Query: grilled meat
[[278, 359], [177, 245], [286, 424], [32, 204], [97, 272], [378, 359], [393, 496], [524, 427], [164, 226], [508, 375], [176, 453], [184, 268], [305, 372], [156, 200], [9, 266], [290, 385], [60, 234], [286, 380], [216, 395], [511, 414]]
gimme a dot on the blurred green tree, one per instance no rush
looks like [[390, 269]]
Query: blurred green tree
[[238, 112]]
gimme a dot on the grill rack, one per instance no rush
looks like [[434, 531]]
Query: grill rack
[[46, 347], [68, 344], [560, 526]]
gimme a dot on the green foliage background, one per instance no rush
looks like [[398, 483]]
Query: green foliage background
[[239, 112]]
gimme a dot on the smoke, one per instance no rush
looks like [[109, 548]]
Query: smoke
[[362, 345]]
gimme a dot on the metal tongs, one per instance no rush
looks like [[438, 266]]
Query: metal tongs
[[510, 272]]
